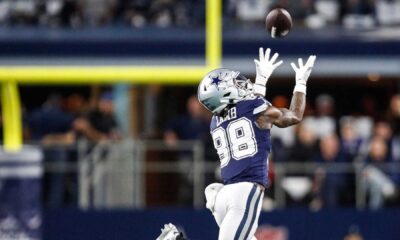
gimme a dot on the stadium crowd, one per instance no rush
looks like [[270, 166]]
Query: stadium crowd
[[365, 141], [323, 139], [183, 13], [369, 142], [57, 125]]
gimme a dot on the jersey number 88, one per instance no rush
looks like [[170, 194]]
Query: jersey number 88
[[237, 140]]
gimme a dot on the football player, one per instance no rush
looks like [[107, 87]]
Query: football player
[[240, 128]]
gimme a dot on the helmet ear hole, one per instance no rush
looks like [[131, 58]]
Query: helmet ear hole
[[227, 94]]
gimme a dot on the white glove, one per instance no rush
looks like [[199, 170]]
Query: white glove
[[303, 73], [264, 68]]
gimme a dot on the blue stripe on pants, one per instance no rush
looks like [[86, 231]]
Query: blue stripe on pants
[[246, 213], [254, 216]]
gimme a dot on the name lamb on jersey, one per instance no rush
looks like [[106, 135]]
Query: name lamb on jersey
[[231, 115]]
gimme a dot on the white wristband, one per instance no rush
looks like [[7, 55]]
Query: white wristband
[[300, 88], [261, 80], [259, 89]]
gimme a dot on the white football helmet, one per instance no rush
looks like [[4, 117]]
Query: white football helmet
[[222, 87]]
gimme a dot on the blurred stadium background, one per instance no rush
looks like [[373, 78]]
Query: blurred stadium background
[[102, 93]]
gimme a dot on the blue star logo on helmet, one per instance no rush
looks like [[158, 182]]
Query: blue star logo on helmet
[[215, 80]]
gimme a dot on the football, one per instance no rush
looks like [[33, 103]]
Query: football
[[278, 22]]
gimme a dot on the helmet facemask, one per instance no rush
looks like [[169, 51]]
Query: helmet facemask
[[243, 86]]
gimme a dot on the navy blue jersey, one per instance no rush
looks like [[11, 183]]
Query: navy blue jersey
[[242, 146]]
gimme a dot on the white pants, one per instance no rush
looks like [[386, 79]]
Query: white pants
[[236, 210]]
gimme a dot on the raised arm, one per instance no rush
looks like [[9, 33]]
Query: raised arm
[[265, 66], [283, 117]]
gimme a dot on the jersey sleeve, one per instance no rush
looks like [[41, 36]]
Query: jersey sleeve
[[253, 106], [260, 105]]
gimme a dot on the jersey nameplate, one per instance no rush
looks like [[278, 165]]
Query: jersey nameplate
[[231, 115]]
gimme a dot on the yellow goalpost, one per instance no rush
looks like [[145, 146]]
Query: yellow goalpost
[[11, 76]]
